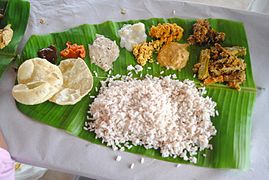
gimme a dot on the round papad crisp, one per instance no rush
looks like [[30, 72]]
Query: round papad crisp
[[38, 69], [33, 93], [78, 82]]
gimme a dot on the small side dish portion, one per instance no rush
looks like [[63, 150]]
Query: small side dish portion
[[131, 35], [103, 52], [73, 51], [222, 64], [166, 32], [49, 53], [143, 52], [173, 55], [204, 34]]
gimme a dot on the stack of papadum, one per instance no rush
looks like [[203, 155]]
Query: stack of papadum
[[39, 81]]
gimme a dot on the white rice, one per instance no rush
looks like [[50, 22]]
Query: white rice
[[142, 160], [85, 128], [217, 113], [158, 113], [129, 73], [130, 68], [118, 158], [132, 166], [95, 73], [138, 68]]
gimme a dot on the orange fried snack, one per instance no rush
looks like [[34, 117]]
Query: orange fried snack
[[166, 32], [73, 51]]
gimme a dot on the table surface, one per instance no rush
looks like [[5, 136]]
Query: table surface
[[37, 144]]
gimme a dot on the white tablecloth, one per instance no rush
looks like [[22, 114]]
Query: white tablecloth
[[37, 144]]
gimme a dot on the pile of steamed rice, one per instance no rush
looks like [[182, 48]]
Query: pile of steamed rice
[[159, 113]]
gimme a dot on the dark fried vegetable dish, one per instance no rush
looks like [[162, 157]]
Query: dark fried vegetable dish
[[222, 64], [204, 34]]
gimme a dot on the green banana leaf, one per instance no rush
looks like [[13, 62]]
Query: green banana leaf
[[231, 145], [16, 14]]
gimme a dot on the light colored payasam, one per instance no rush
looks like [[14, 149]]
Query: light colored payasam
[[173, 56]]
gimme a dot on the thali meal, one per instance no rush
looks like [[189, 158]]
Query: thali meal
[[140, 97]]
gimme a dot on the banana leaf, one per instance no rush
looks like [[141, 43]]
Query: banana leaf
[[16, 13], [231, 145]]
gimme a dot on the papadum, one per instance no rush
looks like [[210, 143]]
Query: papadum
[[77, 82], [38, 81]]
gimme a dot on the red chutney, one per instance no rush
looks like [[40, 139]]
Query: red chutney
[[73, 51]]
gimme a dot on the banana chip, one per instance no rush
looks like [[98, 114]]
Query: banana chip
[[77, 82]]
